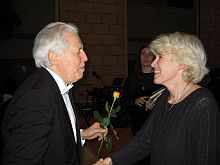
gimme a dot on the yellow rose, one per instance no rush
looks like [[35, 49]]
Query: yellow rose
[[116, 94]]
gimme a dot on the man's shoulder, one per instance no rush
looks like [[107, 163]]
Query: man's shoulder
[[39, 80]]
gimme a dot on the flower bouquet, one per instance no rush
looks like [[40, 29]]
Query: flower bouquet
[[106, 122]]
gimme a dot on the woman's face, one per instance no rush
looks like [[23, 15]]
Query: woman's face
[[166, 69], [146, 57]]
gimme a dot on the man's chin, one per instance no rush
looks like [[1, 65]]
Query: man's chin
[[77, 78], [80, 76]]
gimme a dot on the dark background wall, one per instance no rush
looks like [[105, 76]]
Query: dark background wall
[[32, 16], [21, 21], [112, 31], [147, 19]]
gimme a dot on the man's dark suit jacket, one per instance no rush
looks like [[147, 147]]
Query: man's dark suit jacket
[[36, 127]]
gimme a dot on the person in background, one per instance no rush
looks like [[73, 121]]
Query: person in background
[[138, 87], [7, 89], [214, 83], [183, 127], [40, 125]]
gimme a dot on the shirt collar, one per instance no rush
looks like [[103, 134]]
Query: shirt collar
[[64, 88]]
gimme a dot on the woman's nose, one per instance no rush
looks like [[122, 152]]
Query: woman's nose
[[154, 62]]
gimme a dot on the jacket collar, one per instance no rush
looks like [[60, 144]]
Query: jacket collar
[[64, 88]]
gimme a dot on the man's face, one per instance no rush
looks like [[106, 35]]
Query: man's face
[[71, 64]]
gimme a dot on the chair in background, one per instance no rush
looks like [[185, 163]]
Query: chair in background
[[95, 100], [86, 108]]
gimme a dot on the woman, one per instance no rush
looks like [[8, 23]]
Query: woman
[[138, 87], [183, 127]]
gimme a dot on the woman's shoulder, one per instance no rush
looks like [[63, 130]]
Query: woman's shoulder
[[201, 92], [201, 102], [202, 97]]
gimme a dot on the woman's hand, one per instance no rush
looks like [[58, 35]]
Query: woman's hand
[[106, 161], [149, 104], [141, 101]]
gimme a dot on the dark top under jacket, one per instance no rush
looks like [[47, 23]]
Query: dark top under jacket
[[137, 85], [186, 135]]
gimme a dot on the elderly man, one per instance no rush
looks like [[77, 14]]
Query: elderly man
[[40, 125]]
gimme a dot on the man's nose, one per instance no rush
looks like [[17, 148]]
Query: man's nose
[[84, 56]]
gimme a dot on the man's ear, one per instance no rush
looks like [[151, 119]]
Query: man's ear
[[183, 67], [52, 57]]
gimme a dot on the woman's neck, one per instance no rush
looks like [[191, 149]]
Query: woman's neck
[[178, 91]]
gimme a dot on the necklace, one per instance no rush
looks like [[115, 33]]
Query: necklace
[[145, 77], [177, 99]]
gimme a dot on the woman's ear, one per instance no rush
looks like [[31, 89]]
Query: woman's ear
[[52, 57], [183, 67]]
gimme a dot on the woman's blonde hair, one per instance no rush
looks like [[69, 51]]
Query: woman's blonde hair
[[186, 49]]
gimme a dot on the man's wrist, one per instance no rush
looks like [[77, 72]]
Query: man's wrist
[[83, 137]]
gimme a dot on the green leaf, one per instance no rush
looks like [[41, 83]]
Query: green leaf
[[116, 110], [97, 116], [106, 106], [108, 141], [105, 122]]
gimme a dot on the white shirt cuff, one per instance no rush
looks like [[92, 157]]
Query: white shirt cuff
[[82, 140]]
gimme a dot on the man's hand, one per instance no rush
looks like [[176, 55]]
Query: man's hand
[[106, 161], [94, 131]]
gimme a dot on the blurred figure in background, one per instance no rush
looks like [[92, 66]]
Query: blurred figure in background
[[214, 83], [7, 89], [138, 87]]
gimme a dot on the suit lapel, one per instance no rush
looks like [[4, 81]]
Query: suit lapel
[[69, 125], [66, 115], [77, 119], [63, 113], [79, 144]]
